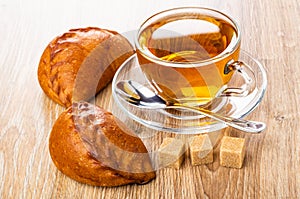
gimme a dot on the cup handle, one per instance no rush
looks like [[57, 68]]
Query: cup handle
[[247, 75]]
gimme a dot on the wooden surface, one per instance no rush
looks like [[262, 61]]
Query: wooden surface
[[271, 33]]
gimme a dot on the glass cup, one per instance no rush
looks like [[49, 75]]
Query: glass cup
[[190, 54]]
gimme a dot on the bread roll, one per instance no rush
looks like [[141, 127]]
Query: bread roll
[[91, 146], [98, 53]]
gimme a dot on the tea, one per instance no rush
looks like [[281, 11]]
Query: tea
[[180, 56]]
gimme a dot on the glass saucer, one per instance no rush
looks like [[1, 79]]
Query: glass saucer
[[184, 121]]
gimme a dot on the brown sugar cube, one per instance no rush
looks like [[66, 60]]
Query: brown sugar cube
[[232, 152], [201, 150], [171, 153]]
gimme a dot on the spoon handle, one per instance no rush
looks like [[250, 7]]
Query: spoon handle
[[243, 125]]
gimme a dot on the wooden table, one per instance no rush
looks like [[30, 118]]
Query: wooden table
[[272, 164]]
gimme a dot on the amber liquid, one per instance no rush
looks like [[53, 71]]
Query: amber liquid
[[185, 43]]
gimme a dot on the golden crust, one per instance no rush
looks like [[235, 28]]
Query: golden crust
[[64, 55], [91, 146]]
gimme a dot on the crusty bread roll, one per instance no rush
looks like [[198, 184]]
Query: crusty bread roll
[[91, 146], [78, 64]]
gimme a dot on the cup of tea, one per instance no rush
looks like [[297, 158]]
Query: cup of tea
[[190, 55]]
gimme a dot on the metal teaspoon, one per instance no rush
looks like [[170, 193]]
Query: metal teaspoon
[[140, 96]]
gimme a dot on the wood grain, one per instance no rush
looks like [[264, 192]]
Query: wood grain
[[272, 165]]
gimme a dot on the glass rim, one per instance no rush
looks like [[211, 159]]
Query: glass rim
[[230, 49]]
